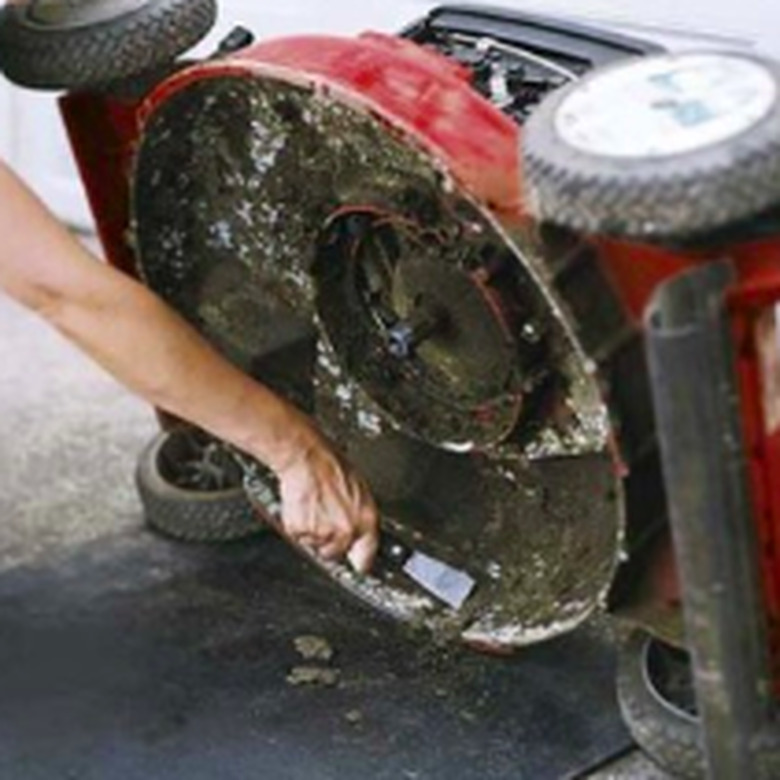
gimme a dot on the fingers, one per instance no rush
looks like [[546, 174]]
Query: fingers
[[329, 510], [363, 549], [363, 552], [357, 541], [331, 551], [321, 539], [323, 528]]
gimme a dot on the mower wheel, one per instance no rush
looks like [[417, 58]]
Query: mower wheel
[[655, 692], [191, 489], [89, 43], [670, 148]]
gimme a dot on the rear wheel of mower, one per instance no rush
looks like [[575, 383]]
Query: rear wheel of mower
[[87, 43], [669, 148], [657, 700], [192, 490]]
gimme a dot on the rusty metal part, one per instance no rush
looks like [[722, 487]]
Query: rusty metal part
[[414, 325], [423, 322]]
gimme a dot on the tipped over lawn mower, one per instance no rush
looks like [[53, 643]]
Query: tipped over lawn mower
[[454, 248]]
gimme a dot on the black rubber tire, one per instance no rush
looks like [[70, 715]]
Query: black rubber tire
[[186, 514], [668, 735], [676, 198], [57, 57]]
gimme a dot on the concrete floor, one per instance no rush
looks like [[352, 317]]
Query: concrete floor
[[125, 656]]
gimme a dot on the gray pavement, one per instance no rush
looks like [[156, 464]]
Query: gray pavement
[[124, 656]]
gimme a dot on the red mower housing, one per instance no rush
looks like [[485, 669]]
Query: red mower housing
[[301, 199]]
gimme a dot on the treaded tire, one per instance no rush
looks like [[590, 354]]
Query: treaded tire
[[96, 53], [186, 514], [669, 736], [676, 197]]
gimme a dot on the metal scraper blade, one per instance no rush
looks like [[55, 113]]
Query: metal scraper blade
[[448, 584]]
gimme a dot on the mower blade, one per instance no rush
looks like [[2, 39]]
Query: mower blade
[[450, 585]]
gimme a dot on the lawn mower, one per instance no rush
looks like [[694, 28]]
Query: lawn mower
[[523, 272]]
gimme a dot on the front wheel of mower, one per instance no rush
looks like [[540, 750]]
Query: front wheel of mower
[[89, 43], [191, 489], [671, 148]]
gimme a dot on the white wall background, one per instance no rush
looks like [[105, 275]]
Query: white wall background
[[32, 139], [751, 21]]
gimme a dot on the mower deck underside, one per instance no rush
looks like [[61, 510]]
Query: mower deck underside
[[299, 234]]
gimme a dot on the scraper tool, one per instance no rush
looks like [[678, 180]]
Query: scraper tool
[[446, 583]]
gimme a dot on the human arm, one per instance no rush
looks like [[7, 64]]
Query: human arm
[[152, 351]]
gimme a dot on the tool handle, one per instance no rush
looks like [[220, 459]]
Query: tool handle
[[262, 488]]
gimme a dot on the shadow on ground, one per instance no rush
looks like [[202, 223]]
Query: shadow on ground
[[124, 656]]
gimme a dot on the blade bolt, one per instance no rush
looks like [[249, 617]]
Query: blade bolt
[[405, 336]]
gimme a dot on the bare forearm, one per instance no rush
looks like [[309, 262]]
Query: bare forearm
[[134, 335], [326, 506], [152, 351]]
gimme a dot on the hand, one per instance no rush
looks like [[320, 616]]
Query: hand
[[327, 507]]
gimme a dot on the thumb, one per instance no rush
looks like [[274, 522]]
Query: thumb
[[362, 553]]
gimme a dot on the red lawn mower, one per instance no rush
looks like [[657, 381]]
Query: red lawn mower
[[525, 273]]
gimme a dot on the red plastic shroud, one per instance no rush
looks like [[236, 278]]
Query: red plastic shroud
[[428, 98], [755, 311]]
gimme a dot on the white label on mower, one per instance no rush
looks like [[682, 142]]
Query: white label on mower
[[666, 105]]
